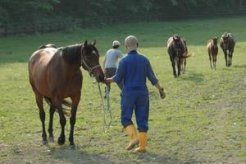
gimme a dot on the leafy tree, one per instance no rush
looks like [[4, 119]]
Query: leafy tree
[[22, 11]]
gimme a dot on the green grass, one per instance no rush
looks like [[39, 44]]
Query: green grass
[[202, 119]]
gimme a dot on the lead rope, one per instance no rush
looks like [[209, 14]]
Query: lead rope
[[106, 107]]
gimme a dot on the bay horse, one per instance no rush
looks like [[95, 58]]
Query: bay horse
[[212, 51], [55, 74], [178, 52], [227, 44]]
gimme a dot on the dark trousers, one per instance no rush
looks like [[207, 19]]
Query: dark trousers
[[110, 72]]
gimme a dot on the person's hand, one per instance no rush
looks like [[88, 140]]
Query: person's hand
[[162, 93], [106, 80]]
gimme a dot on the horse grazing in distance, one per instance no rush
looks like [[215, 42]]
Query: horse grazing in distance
[[212, 51], [227, 43], [55, 74], [178, 52]]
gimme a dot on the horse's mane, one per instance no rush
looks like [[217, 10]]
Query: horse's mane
[[72, 54]]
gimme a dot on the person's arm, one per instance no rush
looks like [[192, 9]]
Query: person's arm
[[161, 90], [151, 76]]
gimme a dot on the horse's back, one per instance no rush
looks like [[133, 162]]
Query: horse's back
[[41, 58], [37, 67]]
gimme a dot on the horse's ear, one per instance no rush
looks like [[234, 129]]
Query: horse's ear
[[94, 43], [85, 43]]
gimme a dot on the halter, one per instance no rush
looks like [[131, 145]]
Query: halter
[[90, 69]]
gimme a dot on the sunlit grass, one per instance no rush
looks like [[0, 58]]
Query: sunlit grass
[[201, 120]]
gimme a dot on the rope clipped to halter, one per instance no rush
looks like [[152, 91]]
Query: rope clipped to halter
[[106, 107]]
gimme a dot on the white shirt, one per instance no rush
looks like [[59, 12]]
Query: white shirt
[[111, 58]]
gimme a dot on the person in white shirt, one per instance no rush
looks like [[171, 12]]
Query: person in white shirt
[[112, 56]]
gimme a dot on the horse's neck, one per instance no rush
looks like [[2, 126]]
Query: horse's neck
[[72, 56]]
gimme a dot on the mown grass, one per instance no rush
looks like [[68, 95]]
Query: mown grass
[[202, 119]]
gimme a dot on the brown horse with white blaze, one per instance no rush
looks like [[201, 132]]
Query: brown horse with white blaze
[[178, 52], [55, 74], [212, 51]]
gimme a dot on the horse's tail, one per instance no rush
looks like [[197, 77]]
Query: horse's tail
[[187, 55], [65, 103]]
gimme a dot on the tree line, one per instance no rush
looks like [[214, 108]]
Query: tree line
[[110, 11]]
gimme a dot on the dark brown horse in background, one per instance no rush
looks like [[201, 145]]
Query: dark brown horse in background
[[178, 52], [227, 43], [55, 74], [212, 51]]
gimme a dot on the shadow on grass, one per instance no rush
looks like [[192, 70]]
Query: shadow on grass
[[239, 66], [194, 77], [74, 156], [66, 155]]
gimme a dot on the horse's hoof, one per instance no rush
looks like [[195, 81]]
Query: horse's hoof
[[61, 140], [51, 139], [44, 142]]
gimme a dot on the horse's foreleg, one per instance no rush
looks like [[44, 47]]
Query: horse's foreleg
[[230, 58], [58, 105], [225, 54], [39, 101], [72, 123], [179, 66], [210, 60], [184, 67], [50, 130], [174, 69], [214, 61], [73, 119]]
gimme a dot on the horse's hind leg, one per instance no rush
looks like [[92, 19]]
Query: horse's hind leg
[[50, 130], [58, 105], [39, 101]]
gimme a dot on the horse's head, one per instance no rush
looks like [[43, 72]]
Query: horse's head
[[215, 40], [225, 37], [90, 60], [178, 45]]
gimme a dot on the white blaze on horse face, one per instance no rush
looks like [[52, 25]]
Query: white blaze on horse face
[[94, 52]]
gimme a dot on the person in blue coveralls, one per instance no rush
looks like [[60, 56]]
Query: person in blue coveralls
[[133, 70]]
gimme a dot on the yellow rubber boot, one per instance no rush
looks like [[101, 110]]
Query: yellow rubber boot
[[142, 142], [132, 133]]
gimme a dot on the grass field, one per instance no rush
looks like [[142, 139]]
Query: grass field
[[202, 119]]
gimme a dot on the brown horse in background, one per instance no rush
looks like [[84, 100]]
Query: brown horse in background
[[55, 74], [178, 52], [227, 43], [212, 52]]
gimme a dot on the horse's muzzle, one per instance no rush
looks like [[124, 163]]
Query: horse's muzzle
[[101, 78]]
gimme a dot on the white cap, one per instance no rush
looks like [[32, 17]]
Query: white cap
[[115, 43]]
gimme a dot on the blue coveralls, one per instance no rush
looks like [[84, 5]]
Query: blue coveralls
[[133, 70]]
